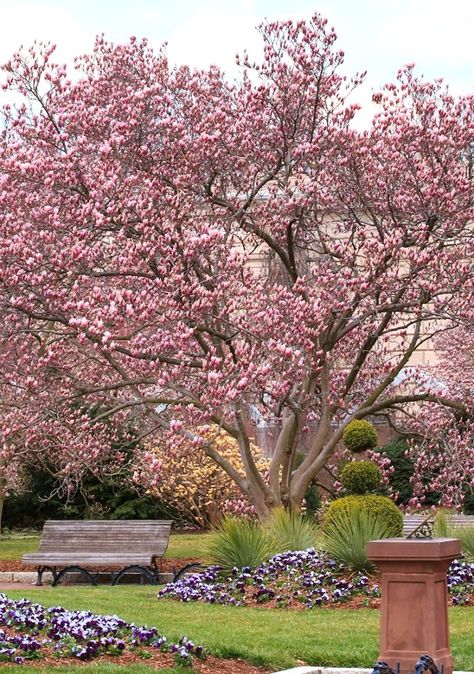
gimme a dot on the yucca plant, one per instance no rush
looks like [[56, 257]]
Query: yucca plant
[[238, 543], [443, 528], [292, 531], [346, 536]]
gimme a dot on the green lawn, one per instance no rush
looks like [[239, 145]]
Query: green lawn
[[276, 638], [180, 545]]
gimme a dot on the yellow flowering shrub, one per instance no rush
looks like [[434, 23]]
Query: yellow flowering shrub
[[182, 476]]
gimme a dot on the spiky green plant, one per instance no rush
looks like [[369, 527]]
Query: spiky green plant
[[443, 528], [346, 536], [238, 543], [292, 531]]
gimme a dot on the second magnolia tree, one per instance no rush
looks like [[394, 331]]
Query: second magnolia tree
[[178, 252]]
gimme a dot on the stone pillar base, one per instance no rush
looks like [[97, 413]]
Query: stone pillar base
[[414, 611]]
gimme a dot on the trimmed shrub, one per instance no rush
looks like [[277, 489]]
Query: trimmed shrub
[[360, 477], [346, 536], [359, 435], [380, 506], [236, 543], [291, 531]]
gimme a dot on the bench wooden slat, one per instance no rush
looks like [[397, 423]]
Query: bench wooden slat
[[89, 543], [86, 560], [410, 522]]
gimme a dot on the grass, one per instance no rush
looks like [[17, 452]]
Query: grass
[[180, 545], [276, 638]]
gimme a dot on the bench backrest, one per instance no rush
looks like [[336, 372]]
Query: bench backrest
[[106, 536], [410, 522]]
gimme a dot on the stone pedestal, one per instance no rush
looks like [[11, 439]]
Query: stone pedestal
[[414, 613]]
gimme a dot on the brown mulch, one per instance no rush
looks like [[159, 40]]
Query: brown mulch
[[167, 565], [211, 665], [13, 565]]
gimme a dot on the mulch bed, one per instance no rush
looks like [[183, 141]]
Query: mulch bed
[[211, 665], [167, 566]]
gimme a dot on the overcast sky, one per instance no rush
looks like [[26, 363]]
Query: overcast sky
[[377, 35]]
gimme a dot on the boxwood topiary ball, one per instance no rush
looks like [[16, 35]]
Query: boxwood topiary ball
[[360, 477], [359, 435], [380, 506]]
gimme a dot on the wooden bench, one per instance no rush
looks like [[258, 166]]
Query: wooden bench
[[421, 525], [82, 545]]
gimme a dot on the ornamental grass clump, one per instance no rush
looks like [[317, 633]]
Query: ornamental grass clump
[[292, 531], [238, 543], [443, 528], [346, 536]]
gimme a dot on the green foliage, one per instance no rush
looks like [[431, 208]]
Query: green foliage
[[359, 435], [403, 470], [468, 508], [312, 500], [110, 499], [465, 533], [292, 531], [443, 528], [238, 543], [347, 533], [381, 507], [360, 477]]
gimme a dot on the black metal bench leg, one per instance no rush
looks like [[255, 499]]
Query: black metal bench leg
[[143, 571], [70, 569], [40, 571], [185, 569]]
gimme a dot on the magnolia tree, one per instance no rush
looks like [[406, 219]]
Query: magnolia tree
[[189, 252]]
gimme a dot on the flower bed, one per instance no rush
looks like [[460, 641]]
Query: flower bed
[[300, 579], [32, 631]]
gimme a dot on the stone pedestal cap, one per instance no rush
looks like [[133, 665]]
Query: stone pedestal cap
[[420, 549]]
